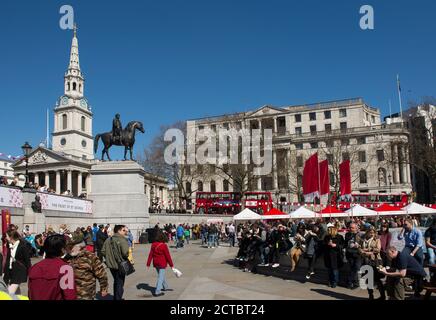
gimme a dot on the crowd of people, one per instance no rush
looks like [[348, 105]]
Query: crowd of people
[[353, 243], [73, 262]]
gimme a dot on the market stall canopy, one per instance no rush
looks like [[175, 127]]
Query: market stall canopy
[[247, 214], [359, 211], [332, 211], [415, 208], [302, 213], [387, 209], [274, 211]]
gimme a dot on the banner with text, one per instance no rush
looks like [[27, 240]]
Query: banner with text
[[11, 197], [60, 203]]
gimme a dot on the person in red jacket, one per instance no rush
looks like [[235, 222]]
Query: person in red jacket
[[161, 257], [52, 278]]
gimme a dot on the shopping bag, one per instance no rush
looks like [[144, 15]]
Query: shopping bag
[[177, 272]]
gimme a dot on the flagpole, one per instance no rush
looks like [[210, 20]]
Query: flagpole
[[47, 138], [390, 109], [399, 97]]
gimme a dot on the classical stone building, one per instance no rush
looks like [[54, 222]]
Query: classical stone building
[[337, 130]]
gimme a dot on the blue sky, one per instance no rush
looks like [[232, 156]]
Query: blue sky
[[164, 61]]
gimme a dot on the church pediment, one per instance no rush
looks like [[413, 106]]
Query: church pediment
[[41, 156], [266, 110]]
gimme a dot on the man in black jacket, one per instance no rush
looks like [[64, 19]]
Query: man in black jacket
[[352, 240], [101, 238]]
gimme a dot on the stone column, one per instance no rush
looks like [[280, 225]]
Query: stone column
[[70, 180], [407, 167], [47, 179], [58, 182], [275, 171], [396, 163], [36, 177], [275, 124], [88, 183], [404, 164], [79, 184], [259, 184]]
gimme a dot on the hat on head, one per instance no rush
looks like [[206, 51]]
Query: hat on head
[[330, 225]]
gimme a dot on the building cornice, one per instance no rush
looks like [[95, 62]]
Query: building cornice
[[60, 133]]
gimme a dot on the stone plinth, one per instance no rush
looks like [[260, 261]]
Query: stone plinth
[[118, 195]]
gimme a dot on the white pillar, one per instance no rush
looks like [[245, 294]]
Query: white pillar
[[275, 171], [259, 184], [69, 180], [88, 184], [58, 182], [79, 184], [407, 167], [47, 179], [396, 163], [36, 179], [404, 164], [275, 124]]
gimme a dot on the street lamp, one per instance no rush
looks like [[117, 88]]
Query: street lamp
[[27, 148], [390, 183]]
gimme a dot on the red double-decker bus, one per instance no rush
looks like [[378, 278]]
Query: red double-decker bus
[[218, 203], [260, 202], [373, 200]]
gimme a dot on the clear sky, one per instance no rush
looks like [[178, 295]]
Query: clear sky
[[161, 61]]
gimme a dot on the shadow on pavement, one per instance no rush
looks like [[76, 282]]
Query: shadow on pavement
[[145, 286], [337, 295]]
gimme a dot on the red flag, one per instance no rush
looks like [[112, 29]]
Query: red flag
[[6, 221], [311, 178], [324, 177], [345, 178]]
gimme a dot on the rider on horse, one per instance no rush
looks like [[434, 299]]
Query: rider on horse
[[117, 127]]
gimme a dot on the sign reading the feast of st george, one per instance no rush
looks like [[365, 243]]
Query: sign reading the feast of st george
[[61, 203], [11, 197]]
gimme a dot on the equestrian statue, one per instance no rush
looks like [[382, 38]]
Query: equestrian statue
[[119, 137]]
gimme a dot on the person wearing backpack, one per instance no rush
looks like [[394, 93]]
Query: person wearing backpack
[[115, 250], [187, 234], [180, 233]]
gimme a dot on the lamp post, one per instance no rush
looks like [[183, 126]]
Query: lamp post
[[27, 148], [390, 183]]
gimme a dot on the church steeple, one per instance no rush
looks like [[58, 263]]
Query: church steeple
[[74, 81]]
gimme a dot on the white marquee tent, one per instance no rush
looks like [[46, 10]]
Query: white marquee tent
[[359, 211], [247, 215], [303, 213], [415, 208]]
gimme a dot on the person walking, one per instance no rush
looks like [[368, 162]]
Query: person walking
[[87, 270], [101, 238], [232, 234], [94, 236], [333, 258], [352, 240], [312, 240], [160, 255], [17, 261], [115, 250], [52, 278], [180, 233]]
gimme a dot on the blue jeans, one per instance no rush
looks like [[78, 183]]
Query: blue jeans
[[431, 255], [211, 240], [161, 281], [333, 276], [179, 242]]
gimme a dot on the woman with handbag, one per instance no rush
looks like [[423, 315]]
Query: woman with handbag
[[333, 254], [161, 257], [370, 248], [17, 261]]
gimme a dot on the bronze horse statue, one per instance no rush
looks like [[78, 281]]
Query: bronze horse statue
[[126, 139]]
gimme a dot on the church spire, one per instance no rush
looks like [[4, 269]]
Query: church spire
[[74, 55], [74, 81]]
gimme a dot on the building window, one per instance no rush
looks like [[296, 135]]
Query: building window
[[74, 86], [68, 86], [314, 145], [299, 146], [84, 143], [362, 156], [225, 186], [361, 140], [312, 116], [5, 172], [200, 186], [80, 88], [342, 113], [345, 156], [212, 186], [313, 130], [345, 142], [380, 155], [372, 119], [362, 176], [63, 141], [64, 121], [298, 118], [329, 158], [328, 128], [327, 114], [299, 161], [188, 187], [82, 123], [343, 127], [281, 122], [298, 131], [330, 143]]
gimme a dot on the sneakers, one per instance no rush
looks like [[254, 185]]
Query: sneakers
[[275, 265]]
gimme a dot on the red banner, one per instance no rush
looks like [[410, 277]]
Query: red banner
[[6, 221], [345, 178], [311, 178], [324, 177]]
